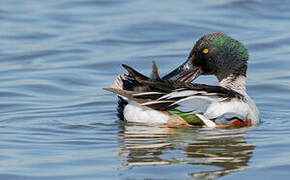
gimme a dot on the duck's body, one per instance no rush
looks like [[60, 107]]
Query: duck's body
[[174, 101]]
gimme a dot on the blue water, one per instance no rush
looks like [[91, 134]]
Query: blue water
[[57, 123]]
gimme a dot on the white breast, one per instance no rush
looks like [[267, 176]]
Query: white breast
[[236, 107], [217, 109]]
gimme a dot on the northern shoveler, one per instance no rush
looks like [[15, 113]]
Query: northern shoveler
[[174, 101]]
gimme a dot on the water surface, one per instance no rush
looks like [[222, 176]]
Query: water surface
[[57, 123]]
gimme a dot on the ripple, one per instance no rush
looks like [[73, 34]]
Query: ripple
[[57, 123]]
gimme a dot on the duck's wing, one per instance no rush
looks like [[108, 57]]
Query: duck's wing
[[210, 107], [189, 98]]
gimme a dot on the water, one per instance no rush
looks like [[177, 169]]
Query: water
[[57, 123]]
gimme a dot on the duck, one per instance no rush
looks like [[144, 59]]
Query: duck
[[174, 101]]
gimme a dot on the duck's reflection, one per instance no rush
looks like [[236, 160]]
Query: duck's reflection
[[224, 149]]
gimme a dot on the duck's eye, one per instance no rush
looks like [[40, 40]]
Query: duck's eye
[[205, 51]]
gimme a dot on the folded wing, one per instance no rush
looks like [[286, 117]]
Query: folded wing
[[212, 102]]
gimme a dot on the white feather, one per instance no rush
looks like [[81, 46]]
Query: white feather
[[193, 97], [179, 94], [118, 83], [234, 106], [134, 112], [206, 121], [148, 93]]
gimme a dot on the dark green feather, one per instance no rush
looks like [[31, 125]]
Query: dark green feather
[[189, 118]]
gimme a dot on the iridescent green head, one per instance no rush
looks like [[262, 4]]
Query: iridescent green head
[[216, 54]]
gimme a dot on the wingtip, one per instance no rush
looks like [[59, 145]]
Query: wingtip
[[112, 90], [135, 74], [106, 89], [125, 66], [155, 75], [128, 68]]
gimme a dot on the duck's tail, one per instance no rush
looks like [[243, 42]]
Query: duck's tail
[[129, 82], [120, 81]]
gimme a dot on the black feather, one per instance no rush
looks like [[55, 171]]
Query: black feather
[[136, 75], [120, 110]]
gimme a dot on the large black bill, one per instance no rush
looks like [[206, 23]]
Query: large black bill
[[184, 73]]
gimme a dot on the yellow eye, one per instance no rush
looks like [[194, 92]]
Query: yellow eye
[[205, 51]]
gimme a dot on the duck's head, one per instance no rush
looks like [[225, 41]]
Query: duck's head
[[216, 54]]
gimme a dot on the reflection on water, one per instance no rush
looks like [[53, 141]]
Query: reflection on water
[[224, 150]]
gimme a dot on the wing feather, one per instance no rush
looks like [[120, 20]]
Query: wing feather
[[213, 102]]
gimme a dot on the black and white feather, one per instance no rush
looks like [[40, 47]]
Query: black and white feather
[[210, 103]]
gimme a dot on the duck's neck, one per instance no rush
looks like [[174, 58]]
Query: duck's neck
[[236, 83]]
